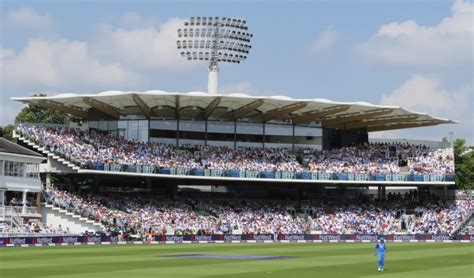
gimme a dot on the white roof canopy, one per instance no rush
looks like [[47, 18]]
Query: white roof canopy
[[200, 105]]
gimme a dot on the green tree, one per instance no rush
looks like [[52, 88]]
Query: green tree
[[33, 113], [7, 132], [464, 162]]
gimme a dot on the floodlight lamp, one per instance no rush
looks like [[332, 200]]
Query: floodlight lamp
[[224, 39]]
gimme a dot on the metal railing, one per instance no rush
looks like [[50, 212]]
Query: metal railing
[[286, 175], [10, 215]]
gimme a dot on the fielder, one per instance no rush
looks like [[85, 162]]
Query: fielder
[[380, 249]]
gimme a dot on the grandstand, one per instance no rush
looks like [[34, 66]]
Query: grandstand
[[156, 164]]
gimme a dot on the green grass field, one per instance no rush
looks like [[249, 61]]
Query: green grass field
[[307, 260]]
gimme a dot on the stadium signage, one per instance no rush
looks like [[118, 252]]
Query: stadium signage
[[366, 237], [45, 240], [94, 239], [295, 237], [405, 237], [228, 238], [262, 237], [203, 238], [327, 238], [18, 240], [440, 237], [177, 239], [72, 240]]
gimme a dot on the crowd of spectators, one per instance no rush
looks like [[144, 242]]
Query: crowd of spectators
[[89, 149], [34, 227], [123, 214]]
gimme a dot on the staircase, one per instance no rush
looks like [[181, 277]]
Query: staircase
[[49, 154], [56, 216], [468, 222]]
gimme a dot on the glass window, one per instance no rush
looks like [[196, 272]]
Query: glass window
[[94, 124], [32, 170], [192, 126], [14, 169], [103, 125], [113, 125], [132, 130], [308, 131], [123, 128], [249, 128], [220, 127], [143, 131], [165, 125], [272, 129]]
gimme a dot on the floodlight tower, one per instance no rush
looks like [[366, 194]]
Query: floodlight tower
[[216, 40]]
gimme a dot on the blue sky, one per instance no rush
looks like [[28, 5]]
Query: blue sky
[[417, 54]]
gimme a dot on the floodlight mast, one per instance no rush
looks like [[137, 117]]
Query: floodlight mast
[[225, 39]]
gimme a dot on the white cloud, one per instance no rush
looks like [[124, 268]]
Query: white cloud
[[27, 18], [6, 53], [423, 94], [446, 45], [61, 65], [143, 47], [325, 40]]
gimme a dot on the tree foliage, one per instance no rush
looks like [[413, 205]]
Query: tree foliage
[[7, 132], [464, 162], [38, 114]]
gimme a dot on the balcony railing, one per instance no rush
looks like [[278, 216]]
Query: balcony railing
[[281, 175]]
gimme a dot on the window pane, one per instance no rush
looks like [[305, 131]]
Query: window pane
[[192, 126], [272, 129], [166, 125], [220, 127], [249, 128], [143, 131], [308, 131]]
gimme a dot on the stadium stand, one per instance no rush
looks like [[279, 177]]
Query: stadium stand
[[144, 213], [94, 150]]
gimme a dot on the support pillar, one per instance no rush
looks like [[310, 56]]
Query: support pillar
[[24, 201], [38, 202], [205, 133], [383, 192], [445, 192], [48, 180], [293, 140], [2, 197], [379, 192]]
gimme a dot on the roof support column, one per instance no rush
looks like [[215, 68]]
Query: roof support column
[[177, 132], [205, 132], [235, 134], [293, 139], [23, 210]]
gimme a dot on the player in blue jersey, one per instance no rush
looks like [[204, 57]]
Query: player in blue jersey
[[380, 249]]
